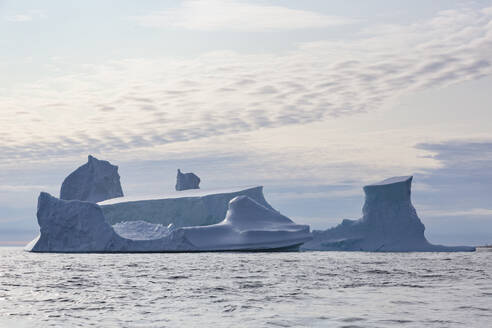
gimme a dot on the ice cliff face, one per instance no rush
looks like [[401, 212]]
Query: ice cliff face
[[78, 226], [185, 181], [389, 223], [71, 226], [182, 209], [94, 181]]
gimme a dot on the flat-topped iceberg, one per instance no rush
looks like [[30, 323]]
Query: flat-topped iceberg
[[196, 207], [389, 224], [94, 181], [78, 226]]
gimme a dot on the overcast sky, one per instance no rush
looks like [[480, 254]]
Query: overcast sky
[[312, 99]]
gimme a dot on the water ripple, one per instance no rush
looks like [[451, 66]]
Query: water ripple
[[311, 289]]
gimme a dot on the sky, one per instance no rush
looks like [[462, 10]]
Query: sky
[[311, 99]]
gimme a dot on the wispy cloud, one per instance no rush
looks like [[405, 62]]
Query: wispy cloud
[[462, 185], [464, 162], [314, 195], [474, 212], [212, 15], [139, 103], [469, 152], [20, 188], [7, 220], [19, 18], [25, 17]]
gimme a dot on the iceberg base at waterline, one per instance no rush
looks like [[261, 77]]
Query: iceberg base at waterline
[[79, 227]]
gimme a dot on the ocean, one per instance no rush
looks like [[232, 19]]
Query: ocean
[[291, 289]]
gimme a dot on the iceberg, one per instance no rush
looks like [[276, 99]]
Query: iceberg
[[94, 181], [185, 181], [389, 224], [196, 207], [78, 226]]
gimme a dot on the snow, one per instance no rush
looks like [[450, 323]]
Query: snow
[[389, 223], [181, 208], [142, 230], [94, 181], [175, 194], [392, 180], [249, 225], [185, 181]]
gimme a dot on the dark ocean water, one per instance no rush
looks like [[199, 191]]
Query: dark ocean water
[[307, 289]]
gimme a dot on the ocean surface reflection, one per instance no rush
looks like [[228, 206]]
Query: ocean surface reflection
[[315, 289]]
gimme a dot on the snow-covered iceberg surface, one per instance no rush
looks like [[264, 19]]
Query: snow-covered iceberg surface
[[94, 181], [248, 225], [185, 181], [389, 224], [182, 209], [78, 226]]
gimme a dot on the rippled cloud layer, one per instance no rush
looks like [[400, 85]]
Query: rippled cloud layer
[[140, 103]]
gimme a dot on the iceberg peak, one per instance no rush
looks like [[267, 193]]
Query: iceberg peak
[[392, 189], [95, 181], [244, 213], [185, 181]]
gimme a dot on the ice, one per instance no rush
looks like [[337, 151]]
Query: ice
[[185, 181], [79, 226], [195, 207], [142, 230], [392, 180], [94, 181], [72, 226], [389, 223], [249, 225]]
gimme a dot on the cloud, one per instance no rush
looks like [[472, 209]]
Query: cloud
[[463, 161], [299, 194], [130, 104], [19, 18], [474, 212], [25, 17], [215, 15], [461, 151], [20, 188], [462, 185], [8, 220]]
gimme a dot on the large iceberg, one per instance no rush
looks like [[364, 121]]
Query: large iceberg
[[94, 181], [78, 226], [389, 224], [185, 181], [182, 209]]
